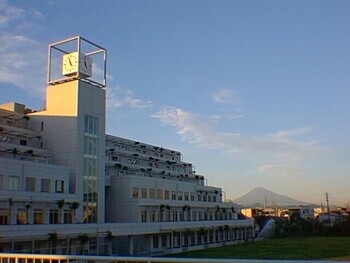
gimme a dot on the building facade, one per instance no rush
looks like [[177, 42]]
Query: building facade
[[67, 187]]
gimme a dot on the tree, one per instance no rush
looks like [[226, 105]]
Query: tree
[[10, 201], [226, 228], [83, 239], [221, 229], [74, 206], [52, 237], [109, 238], [187, 234], [27, 206], [60, 204], [296, 226], [201, 232]]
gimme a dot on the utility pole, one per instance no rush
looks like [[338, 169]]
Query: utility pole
[[328, 209]]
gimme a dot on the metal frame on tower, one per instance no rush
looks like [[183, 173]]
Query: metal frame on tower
[[81, 45]]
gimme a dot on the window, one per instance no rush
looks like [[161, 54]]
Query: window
[[3, 216], [45, 185], [90, 145], [155, 242], [205, 215], [152, 194], [153, 216], [192, 196], [199, 197], [159, 194], [38, 216], [144, 192], [1, 181], [164, 241], [53, 217], [174, 215], [135, 192], [186, 196], [14, 183], [200, 217], [23, 142], [167, 194], [90, 125], [90, 166], [68, 216], [21, 216], [30, 184], [173, 195], [182, 218], [59, 187], [180, 195], [194, 216], [211, 236], [143, 216], [176, 238]]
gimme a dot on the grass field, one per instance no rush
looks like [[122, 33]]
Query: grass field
[[317, 248]]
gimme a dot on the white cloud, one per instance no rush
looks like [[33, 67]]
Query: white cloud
[[215, 118], [9, 13], [285, 135], [23, 59], [225, 96], [116, 97], [282, 170], [23, 62], [238, 113], [281, 150]]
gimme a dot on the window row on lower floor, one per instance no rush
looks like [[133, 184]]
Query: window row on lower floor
[[191, 237], [36, 216], [170, 216], [162, 194]]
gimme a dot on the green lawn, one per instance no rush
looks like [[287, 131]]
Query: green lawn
[[317, 248]]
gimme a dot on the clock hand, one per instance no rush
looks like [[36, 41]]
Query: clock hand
[[85, 63], [70, 62]]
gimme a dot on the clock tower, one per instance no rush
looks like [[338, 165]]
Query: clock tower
[[73, 123]]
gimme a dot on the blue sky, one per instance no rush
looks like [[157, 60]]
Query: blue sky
[[254, 93]]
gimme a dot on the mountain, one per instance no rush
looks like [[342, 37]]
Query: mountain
[[259, 197]]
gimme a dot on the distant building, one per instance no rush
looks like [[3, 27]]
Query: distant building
[[252, 212], [335, 217], [305, 212], [69, 188]]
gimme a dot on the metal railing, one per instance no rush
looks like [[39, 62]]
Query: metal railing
[[38, 258]]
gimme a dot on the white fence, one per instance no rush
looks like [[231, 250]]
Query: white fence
[[37, 258]]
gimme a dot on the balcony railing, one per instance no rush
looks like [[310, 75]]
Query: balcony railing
[[5, 258]]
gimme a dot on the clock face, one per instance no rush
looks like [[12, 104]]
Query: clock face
[[75, 64], [85, 66], [70, 64]]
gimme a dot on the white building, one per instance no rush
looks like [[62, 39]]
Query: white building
[[66, 187]]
